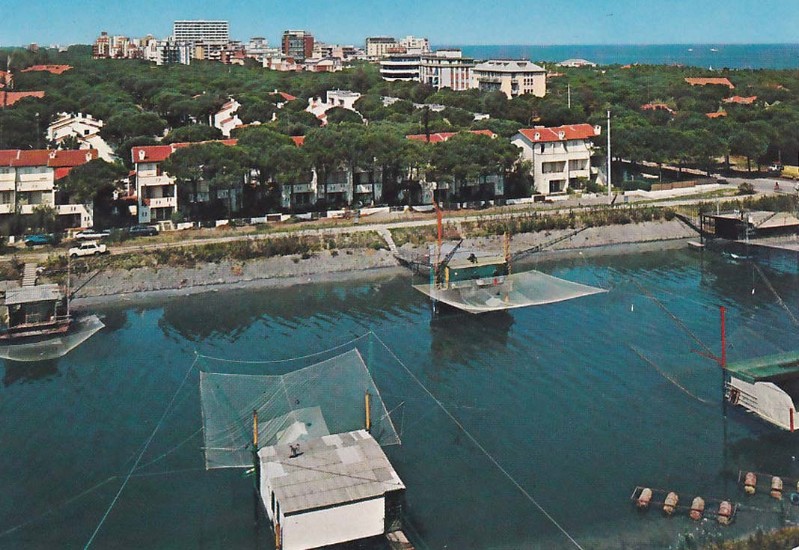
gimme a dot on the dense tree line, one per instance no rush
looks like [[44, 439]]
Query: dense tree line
[[144, 104]]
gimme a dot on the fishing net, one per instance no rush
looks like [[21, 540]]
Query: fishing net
[[530, 288], [325, 398], [53, 346]]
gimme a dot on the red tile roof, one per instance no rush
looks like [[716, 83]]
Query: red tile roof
[[438, 137], [159, 153], [4, 77], [299, 141], [54, 69], [287, 97], [740, 100], [559, 133], [656, 107], [717, 114], [713, 81], [45, 157], [9, 98]]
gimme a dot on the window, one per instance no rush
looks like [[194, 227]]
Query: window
[[553, 167]]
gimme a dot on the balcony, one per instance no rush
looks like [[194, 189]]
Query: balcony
[[29, 208], [157, 181], [28, 186], [162, 202], [6, 185], [6, 208], [301, 188], [364, 187], [70, 209], [336, 188]]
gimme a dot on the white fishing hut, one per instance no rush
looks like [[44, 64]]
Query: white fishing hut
[[767, 386], [328, 490]]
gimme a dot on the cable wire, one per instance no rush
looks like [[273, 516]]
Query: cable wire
[[141, 454], [474, 440]]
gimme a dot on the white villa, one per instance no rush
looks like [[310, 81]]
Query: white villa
[[226, 119], [559, 155], [85, 128]]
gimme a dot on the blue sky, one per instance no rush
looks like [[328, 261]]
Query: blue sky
[[443, 21]]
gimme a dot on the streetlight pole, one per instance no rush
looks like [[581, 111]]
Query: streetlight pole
[[610, 187]]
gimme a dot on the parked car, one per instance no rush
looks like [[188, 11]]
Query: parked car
[[92, 233], [40, 238], [142, 231], [88, 248]]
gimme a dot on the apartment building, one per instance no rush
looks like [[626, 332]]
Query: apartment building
[[446, 69], [227, 118], [513, 77], [199, 30], [29, 180], [378, 46], [157, 191], [559, 155], [400, 66], [297, 44], [413, 44]]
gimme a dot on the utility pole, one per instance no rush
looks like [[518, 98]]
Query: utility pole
[[569, 95], [610, 187]]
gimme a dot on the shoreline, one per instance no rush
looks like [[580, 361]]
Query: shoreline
[[147, 284]]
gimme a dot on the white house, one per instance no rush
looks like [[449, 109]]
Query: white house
[[335, 98], [28, 180], [558, 155], [226, 119], [329, 490], [84, 128], [512, 77]]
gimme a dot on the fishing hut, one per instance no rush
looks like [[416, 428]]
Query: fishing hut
[[34, 311], [741, 225], [315, 448], [767, 386], [328, 490]]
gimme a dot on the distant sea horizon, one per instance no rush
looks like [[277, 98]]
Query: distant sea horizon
[[707, 56]]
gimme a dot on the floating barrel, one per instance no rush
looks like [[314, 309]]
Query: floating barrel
[[644, 498], [750, 483], [725, 513], [697, 508], [776, 487], [794, 498], [671, 502]]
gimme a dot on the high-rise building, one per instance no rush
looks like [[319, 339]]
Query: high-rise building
[[210, 32], [446, 69], [298, 44]]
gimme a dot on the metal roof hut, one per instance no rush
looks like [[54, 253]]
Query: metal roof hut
[[767, 386], [322, 478], [329, 490], [34, 310]]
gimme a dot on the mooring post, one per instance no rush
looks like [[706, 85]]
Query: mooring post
[[368, 412], [255, 462]]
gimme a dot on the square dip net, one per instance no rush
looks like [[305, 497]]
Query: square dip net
[[529, 288], [324, 398]]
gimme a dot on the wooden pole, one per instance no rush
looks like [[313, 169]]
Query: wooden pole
[[368, 411]]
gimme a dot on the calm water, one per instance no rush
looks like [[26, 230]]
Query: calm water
[[555, 393], [733, 56]]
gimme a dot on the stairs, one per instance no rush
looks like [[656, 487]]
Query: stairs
[[29, 274]]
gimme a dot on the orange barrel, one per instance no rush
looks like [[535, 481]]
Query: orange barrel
[[671, 502], [750, 483], [725, 513], [776, 487], [697, 508], [644, 498]]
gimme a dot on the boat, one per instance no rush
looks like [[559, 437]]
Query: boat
[[39, 325], [477, 282], [714, 49]]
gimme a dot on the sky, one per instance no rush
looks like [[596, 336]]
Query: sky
[[535, 22]]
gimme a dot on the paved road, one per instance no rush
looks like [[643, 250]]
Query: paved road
[[764, 186]]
